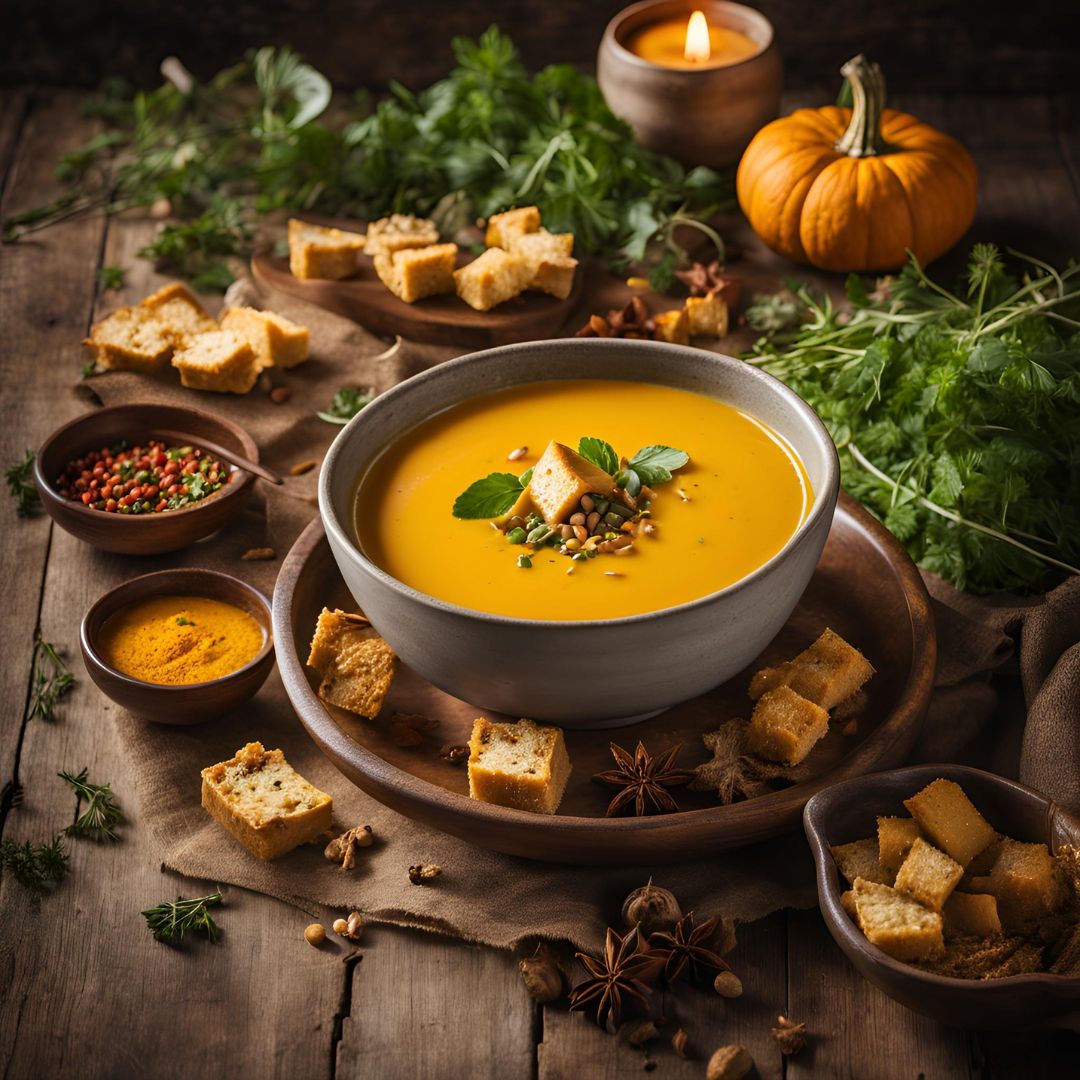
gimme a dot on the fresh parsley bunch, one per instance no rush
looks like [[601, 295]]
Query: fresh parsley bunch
[[956, 412], [256, 138]]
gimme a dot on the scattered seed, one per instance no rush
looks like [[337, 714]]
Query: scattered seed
[[517, 453], [592, 521], [577, 519], [566, 531], [280, 394], [588, 503], [516, 536], [304, 467], [421, 875], [682, 494], [524, 562], [258, 554], [455, 754], [612, 573], [581, 533], [315, 934]]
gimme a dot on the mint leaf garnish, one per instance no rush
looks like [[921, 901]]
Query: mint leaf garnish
[[599, 453], [655, 464], [488, 498]]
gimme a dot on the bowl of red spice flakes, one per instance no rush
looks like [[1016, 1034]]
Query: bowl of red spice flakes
[[112, 478]]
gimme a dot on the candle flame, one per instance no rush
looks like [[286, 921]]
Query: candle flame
[[698, 47]]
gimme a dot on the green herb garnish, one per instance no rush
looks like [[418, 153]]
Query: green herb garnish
[[50, 680], [650, 465], [487, 137], [181, 621], [488, 498], [600, 453], [524, 562], [171, 920], [346, 403], [111, 277], [101, 816], [955, 413], [35, 865], [21, 485]]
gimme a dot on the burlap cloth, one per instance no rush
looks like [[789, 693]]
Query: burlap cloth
[[999, 662]]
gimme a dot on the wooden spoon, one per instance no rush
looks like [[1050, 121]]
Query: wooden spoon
[[178, 438]]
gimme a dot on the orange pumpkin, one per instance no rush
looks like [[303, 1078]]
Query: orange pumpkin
[[855, 189]]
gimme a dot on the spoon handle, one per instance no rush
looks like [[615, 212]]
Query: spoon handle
[[231, 457]]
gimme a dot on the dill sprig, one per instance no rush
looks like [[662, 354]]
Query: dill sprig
[[171, 920], [50, 680], [20, 483], [101, 816], [955, 412], [35, 865]]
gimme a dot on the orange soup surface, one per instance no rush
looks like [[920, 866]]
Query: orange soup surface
[[735, 505]]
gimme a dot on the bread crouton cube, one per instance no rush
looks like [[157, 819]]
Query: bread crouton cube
[[896, 924], [177, 308], [398, 232], [264, 803], [1027, 883], [493, 278], [859, 859], [524, 765], [947, 817], [550, 264], [560, 478], [847, 902], [414, 273], [554, 277], [130, 339], [827, 672], [769, 679], [502, 228], [895, 837], [785, 727], [971, 915], [673, 326], [275, 340], [928, 875], [357, 666], [220, 360], [318, 252], [708, 316]]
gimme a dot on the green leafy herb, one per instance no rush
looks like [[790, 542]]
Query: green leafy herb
[[35, 865], [655, 464], [50, 680], [600, 453], [181, 621], [488, 498], [254, 139], [88, 369], [171, 920], [111, 277], [101, 816], [525, 477], [346, 403], [524, 562], [955, 413], [21, 485], [777, 316]]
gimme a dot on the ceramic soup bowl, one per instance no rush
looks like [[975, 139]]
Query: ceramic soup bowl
[[506, 664]]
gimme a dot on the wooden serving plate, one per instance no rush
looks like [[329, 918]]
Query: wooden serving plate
[[865, 587], [438, 320]]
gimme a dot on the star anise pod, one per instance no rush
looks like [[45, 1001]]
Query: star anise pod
[[618, 977], [686, 950], [631, 321], [704, 280], [644, 779]]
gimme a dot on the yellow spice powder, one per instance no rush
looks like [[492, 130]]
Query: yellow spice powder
[[178, 640]]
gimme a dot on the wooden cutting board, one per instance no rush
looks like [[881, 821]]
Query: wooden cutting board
[[438, 320]]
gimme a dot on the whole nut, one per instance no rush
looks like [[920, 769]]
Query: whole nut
[[352, 927], [729, 1063], [651, 908], [727, 984], [280, 394], [541, 975], [315, 934]]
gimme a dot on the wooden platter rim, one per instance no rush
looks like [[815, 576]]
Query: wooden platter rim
[[418, 797]]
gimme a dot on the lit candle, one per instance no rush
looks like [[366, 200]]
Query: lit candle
[[691, 43]]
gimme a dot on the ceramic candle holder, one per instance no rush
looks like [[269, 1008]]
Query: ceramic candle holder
[[703, 115]]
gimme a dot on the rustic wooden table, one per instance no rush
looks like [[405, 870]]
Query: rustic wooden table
[[87, 992]]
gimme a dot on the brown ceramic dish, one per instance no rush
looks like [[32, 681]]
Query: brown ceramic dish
[[149, 534], [848, 811], [865, 587], [196, 702]]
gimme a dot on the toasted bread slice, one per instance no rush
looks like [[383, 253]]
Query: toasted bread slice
[[130, 339], [275, 340], [357, 666], [560, 478], [524, 765], [318, 252], [177, 308], [221, 361]]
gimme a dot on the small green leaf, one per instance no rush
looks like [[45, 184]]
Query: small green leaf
[[655, 464], [346, 403], [525, 477], [988, 355], [600, 453], [488, 498], [111, 277]]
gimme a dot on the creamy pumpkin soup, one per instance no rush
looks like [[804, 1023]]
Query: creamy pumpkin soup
[[580, 499]]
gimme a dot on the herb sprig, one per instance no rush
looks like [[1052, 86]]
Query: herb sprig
[[346, 403], [255, 138], [101, 816], [35, 865], [171, 920], [955, 412], [50, 680], [20, 483]]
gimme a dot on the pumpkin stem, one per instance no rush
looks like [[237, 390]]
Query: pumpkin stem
[[863, 135]]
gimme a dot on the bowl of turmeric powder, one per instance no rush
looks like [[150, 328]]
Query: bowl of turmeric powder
[[179, 646]]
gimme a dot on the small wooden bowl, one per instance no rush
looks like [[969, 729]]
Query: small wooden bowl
[[195, 702], [149, 534], [700, 116], [848, 811]]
